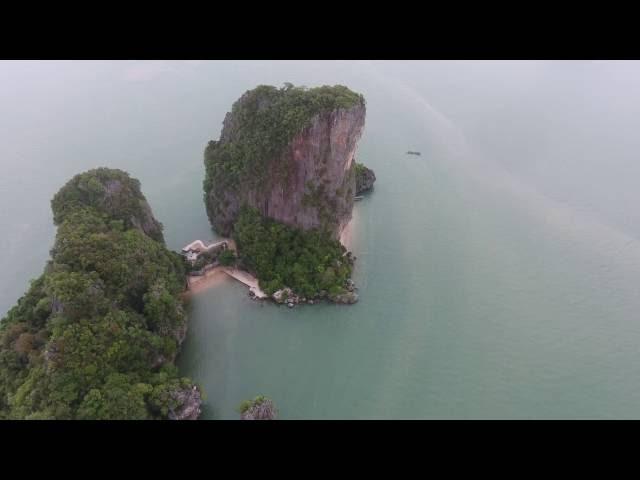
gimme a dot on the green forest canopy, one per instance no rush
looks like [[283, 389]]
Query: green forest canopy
[[264, 120], [281, 256], [109, 191], [95, 335]]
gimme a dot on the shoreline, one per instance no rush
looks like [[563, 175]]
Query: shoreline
[[346, 236], [217, 276], [246, 279], [212, 278]]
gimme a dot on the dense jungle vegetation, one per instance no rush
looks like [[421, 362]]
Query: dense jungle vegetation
[[96, 334]]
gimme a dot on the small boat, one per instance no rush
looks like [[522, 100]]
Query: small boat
[[358, 198], [413, 153]]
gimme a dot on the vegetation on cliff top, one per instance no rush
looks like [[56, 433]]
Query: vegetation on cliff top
[[360, 169], [260, 408], [108, 191], [308, 262], [365, 178], [95, 335], [263, 121]]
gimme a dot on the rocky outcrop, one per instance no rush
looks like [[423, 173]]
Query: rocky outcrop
[[189, 402], [260, 408], [146, 222], [109, 191], [308, 181], [281, 296], [365, 178], [346, 298]]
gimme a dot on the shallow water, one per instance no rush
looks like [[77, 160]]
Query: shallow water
[[499, 272]]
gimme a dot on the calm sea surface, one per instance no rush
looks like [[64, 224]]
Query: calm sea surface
[[499, 272]]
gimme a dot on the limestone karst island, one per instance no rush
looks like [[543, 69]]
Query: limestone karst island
[[97, 334], [378, 239], [281, 180]]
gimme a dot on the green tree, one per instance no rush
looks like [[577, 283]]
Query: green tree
[[96, 334], [305, 261], [227, 258]]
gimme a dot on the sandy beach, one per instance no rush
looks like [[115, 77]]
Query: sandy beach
[[218, 275], [346, 236], [212, 278]]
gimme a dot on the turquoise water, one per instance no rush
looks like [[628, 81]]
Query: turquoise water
[[499, 272]]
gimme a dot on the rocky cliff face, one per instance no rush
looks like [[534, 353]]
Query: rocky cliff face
[[308, 181], [260, 408], [189, 402]]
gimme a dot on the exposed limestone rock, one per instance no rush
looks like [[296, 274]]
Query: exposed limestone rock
[[282, 296], [189, 402], [365, 178], [346, 297], [260, 408], [110, 191], [310, 181]]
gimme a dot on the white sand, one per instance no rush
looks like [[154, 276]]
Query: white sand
[[346, 236], [212, 278]]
